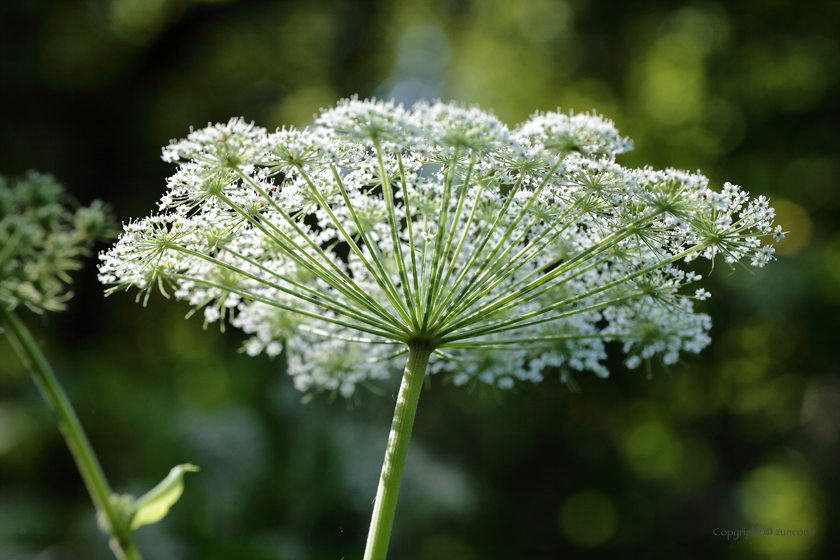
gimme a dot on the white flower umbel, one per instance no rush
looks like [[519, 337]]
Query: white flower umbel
[[439, 233]]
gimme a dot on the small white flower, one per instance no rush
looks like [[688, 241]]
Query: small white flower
[[450, 126], [587, 133], [368, 121]]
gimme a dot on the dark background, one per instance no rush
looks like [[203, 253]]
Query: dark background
[[744, 435]]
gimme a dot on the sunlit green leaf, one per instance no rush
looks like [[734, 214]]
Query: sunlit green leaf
[[155, 504]]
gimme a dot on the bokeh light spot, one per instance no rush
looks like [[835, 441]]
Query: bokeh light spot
[[782, 497], [794, 219], [298, 108], [446, 547], [16, 427], [203, 384], [653, 450], [588, 519]]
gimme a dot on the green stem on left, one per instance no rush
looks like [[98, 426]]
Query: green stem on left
[[122, 540]]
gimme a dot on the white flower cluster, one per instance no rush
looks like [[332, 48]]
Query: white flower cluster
[[507, 251]]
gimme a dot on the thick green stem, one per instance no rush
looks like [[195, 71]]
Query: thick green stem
[[122, 541], [392, 469], [126, 550]]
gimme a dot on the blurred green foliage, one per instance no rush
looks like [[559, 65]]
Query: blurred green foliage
[[42, 241], [747, 435]]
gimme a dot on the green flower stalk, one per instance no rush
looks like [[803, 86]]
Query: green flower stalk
[[41, 241], [485, 254]]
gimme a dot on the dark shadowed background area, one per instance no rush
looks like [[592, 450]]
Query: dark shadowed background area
[[745, 435]]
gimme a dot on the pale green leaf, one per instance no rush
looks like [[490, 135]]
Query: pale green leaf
[[154, 505]]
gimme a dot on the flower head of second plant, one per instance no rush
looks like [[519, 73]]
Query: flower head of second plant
[[504, 251], [41, 241]]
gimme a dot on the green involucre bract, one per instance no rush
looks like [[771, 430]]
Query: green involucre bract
[[507, 251]]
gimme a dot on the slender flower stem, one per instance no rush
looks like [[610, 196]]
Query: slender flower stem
[[527, 293], [439, 261], [341, 282], [338, 308], [477, 275], [384, 281], [407, 207], [273, 303], [122, 540], [442, 292], [392, 468], [449, 302], [515, 262], [388, 191]]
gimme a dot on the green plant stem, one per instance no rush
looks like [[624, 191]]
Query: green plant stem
[[122, 541], [127, 550], [392, 468]]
